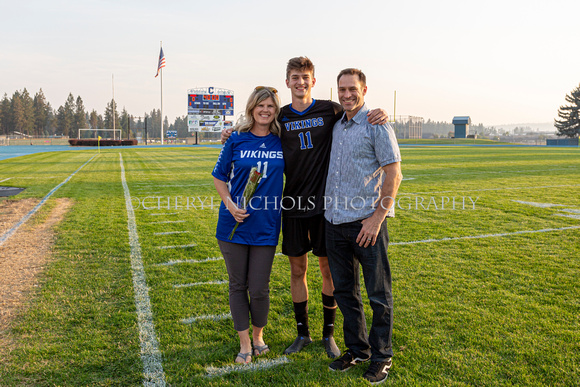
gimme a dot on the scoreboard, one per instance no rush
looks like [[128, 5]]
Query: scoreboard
[[209, 109]]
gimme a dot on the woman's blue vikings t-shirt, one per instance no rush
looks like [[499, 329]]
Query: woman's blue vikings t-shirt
[[239, 154]]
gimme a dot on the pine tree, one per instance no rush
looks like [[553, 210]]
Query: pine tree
[[17, 116], [181, 126], [569, 123], [123, 121], [65, 116], [94, 119], [5, 114], [28, 111], [154, 123], [80, 119], [41, 113], [110, 112]]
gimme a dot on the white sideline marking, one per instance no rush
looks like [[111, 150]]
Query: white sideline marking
[[176, 247], [164, 213], [541, 205], [11, 232], [408, 178], [170, 232], [200, 283], [253, 366], [490, 189], [208, 259], [569, 216], [5, 179], [150, 355], [486, 235], [213, 317], [168, 221], [571, 210]]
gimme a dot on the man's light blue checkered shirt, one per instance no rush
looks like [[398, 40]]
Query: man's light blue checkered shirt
[[355, 175]]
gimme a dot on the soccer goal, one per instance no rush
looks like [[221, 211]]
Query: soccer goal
[[104, 133]]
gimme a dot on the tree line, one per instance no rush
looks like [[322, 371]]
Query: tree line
[[35, 116]]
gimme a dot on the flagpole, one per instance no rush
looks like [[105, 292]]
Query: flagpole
[[161, 46]]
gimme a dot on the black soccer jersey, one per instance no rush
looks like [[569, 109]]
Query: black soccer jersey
[[306, 141]]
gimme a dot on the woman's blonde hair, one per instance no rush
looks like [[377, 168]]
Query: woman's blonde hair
[[260, 94]]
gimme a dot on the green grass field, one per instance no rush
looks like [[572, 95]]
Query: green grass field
[[486, 293]]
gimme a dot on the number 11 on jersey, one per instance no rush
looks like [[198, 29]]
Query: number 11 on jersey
[[305, 140], [265, 172]]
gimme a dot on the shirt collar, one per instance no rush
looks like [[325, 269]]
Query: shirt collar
[[359, 117]]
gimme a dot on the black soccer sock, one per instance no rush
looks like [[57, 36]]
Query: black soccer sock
[[329, 315], [301, 315]]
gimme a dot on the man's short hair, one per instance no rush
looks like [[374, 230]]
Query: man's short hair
[[351, 71], [300, 63]]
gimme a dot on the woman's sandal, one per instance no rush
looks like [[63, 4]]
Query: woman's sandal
[[261, 349], [244, 357]]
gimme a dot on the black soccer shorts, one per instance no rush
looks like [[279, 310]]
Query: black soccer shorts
[[300, 235]]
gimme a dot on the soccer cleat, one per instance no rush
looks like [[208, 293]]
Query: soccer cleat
[[298, 344], [378, 371], [330, 346], [345, 362]]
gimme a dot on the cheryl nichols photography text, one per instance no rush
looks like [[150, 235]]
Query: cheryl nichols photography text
[[409, 202]]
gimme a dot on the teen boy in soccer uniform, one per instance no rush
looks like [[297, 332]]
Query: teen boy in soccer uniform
[[306, 141]]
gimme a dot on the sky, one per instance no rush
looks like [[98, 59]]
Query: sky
[[499, 62]]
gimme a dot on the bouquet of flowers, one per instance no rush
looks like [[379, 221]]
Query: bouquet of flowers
[[249, 191]]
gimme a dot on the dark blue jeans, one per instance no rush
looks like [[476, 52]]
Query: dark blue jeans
[[344, 257]]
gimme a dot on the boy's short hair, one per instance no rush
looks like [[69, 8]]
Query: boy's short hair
[[300, 63]]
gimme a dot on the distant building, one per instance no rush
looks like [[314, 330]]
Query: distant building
[[461, 126]]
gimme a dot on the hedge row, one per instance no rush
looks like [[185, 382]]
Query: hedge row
[[104, 142]]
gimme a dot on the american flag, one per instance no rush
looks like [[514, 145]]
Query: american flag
[[161, 62]]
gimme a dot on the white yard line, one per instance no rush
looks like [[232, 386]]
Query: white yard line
[[208, 259], [569, 216], [11, 232], [541, 205], [170, 232], [200, 284], [36, 177], [212, 317], [485, 236], [8, 178], [176, 247], [153, 373], [571, 210], [169, 221], [253, 366], [185, 185]]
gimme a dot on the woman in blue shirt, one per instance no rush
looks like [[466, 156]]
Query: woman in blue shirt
[[249, 251]]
